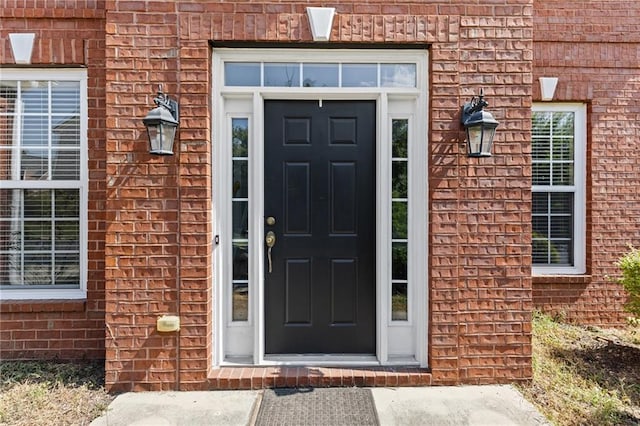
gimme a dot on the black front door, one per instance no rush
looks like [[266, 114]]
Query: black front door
[[319, 176]]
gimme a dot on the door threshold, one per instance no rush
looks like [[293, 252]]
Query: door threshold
[[321, 360]]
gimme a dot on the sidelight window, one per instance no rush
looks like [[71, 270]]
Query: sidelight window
[[399, 222], [240, 219]]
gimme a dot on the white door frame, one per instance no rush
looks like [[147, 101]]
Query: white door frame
[[243, 342]]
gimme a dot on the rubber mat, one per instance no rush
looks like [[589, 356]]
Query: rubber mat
[[317, 407]]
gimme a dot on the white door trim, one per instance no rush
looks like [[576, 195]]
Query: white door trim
[[391, 103]]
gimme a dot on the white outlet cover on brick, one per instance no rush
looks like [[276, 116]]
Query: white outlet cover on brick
[[22, 46], [321, 21]]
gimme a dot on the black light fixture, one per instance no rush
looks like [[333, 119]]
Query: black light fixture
[[161, 123], [480, 127]]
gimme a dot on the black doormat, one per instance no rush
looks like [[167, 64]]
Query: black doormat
[[317, 406]]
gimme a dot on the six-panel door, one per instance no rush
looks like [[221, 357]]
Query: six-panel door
[[320, 189]]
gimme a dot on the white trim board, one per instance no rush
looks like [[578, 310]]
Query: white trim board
[[396, 342]]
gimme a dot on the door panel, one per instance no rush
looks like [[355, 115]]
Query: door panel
[[344, 291], [343, 207], [297, 203], [298, 291], [320, 186]]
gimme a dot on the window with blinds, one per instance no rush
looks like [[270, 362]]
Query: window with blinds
[[42, 181], [558, 157]]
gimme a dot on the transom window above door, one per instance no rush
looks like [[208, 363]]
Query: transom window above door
[[309, 74]]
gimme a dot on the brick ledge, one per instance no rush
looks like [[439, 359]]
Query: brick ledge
[[561, 279], [39, 305]]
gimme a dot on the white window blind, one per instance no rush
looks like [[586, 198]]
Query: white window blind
[[43, 115]]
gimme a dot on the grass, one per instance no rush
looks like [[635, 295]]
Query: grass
[[51, 393], [585, 375]]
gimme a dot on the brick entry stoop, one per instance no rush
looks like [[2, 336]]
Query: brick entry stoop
[[281, 377]]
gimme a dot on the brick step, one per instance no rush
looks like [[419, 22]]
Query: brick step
[[281, 377]]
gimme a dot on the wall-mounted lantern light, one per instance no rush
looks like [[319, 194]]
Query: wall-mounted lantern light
[[161, 123], [480, 127]]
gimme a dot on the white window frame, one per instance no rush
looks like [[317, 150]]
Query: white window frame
[[397, 342], [44, 74], [578, 188]]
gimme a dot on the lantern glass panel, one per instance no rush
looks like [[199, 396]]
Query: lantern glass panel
[[168, 134], [154, 137], [474, 136], [487, 140]]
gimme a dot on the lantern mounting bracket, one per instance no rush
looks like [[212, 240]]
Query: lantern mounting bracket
[[476, 104], [163, 100]]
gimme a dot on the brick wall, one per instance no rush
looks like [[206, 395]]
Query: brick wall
[[479, 239], [68, 33], [150, 219], [593, 47], [154, 216]]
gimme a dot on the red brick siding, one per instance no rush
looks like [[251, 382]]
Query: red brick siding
[[593, 48], [153, 213], [156, 218], [51, 330], [68, 33], [479, 303]]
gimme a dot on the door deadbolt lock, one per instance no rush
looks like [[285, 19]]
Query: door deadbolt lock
[[271, 221]]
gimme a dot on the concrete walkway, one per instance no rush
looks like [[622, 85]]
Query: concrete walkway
[[463, 405]]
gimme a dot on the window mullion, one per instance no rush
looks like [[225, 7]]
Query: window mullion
[[49, 153], [17, 135]]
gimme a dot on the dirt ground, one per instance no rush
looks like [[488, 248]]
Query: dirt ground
[[585, 375], [614, 362]]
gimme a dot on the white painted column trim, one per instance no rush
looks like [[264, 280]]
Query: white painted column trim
[[256, 201], [383, 228]]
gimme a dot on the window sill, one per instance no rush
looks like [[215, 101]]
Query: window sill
[[41, 294], [561, 279], [38, 305]]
